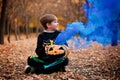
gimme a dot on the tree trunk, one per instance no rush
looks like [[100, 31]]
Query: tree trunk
[[8, 31], [2, 21], [26, 27], [19, 33], [37, 28], [16, 32]]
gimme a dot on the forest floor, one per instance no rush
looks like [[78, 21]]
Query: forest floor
[[92, 63]]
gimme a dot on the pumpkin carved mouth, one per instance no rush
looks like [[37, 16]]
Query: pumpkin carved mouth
[[57, 50]]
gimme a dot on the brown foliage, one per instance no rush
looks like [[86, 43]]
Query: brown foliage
[[92, 63]]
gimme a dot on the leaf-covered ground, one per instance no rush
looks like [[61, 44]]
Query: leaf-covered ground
[[92, 63]]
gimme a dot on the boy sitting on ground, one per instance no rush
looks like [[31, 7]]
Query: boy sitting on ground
[[45, 63]]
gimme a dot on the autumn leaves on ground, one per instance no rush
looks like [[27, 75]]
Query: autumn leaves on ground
[[92, 63]]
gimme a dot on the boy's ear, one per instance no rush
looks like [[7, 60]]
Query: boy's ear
[[48, 24]]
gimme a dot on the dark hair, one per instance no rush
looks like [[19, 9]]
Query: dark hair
[[47, 18]]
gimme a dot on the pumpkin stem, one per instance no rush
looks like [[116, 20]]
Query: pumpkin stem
[[51, 42]]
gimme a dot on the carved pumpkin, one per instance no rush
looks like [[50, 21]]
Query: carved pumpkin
[[57, 49]]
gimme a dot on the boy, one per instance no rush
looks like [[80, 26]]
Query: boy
[[46, 63]]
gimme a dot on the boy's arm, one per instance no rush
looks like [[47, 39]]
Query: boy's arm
[[40, 51]]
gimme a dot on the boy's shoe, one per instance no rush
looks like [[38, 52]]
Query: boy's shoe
[[29, 69]]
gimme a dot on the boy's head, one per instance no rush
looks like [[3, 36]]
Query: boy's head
[[49, 22]]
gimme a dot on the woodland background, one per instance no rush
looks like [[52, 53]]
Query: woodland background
[[22, 16], [19, 28]]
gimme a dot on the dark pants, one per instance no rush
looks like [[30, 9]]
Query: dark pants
[[42, 66]]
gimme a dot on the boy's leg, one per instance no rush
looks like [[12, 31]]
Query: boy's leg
[[35, 65], [35, 61], [56, 65], [42, 67]]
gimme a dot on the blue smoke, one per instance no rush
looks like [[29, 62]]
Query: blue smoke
[[103, 23]]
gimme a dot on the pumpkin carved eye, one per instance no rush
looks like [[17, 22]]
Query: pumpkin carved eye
[[51, 49], [61, 48]]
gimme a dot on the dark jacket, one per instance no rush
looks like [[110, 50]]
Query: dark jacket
[[43, 40]]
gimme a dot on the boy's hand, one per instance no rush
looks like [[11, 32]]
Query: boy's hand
[[46, 49]]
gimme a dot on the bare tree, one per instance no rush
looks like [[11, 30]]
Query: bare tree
[[2, 21], [8, 30]]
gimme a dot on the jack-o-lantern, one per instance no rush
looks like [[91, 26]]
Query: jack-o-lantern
[[57, 50]]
